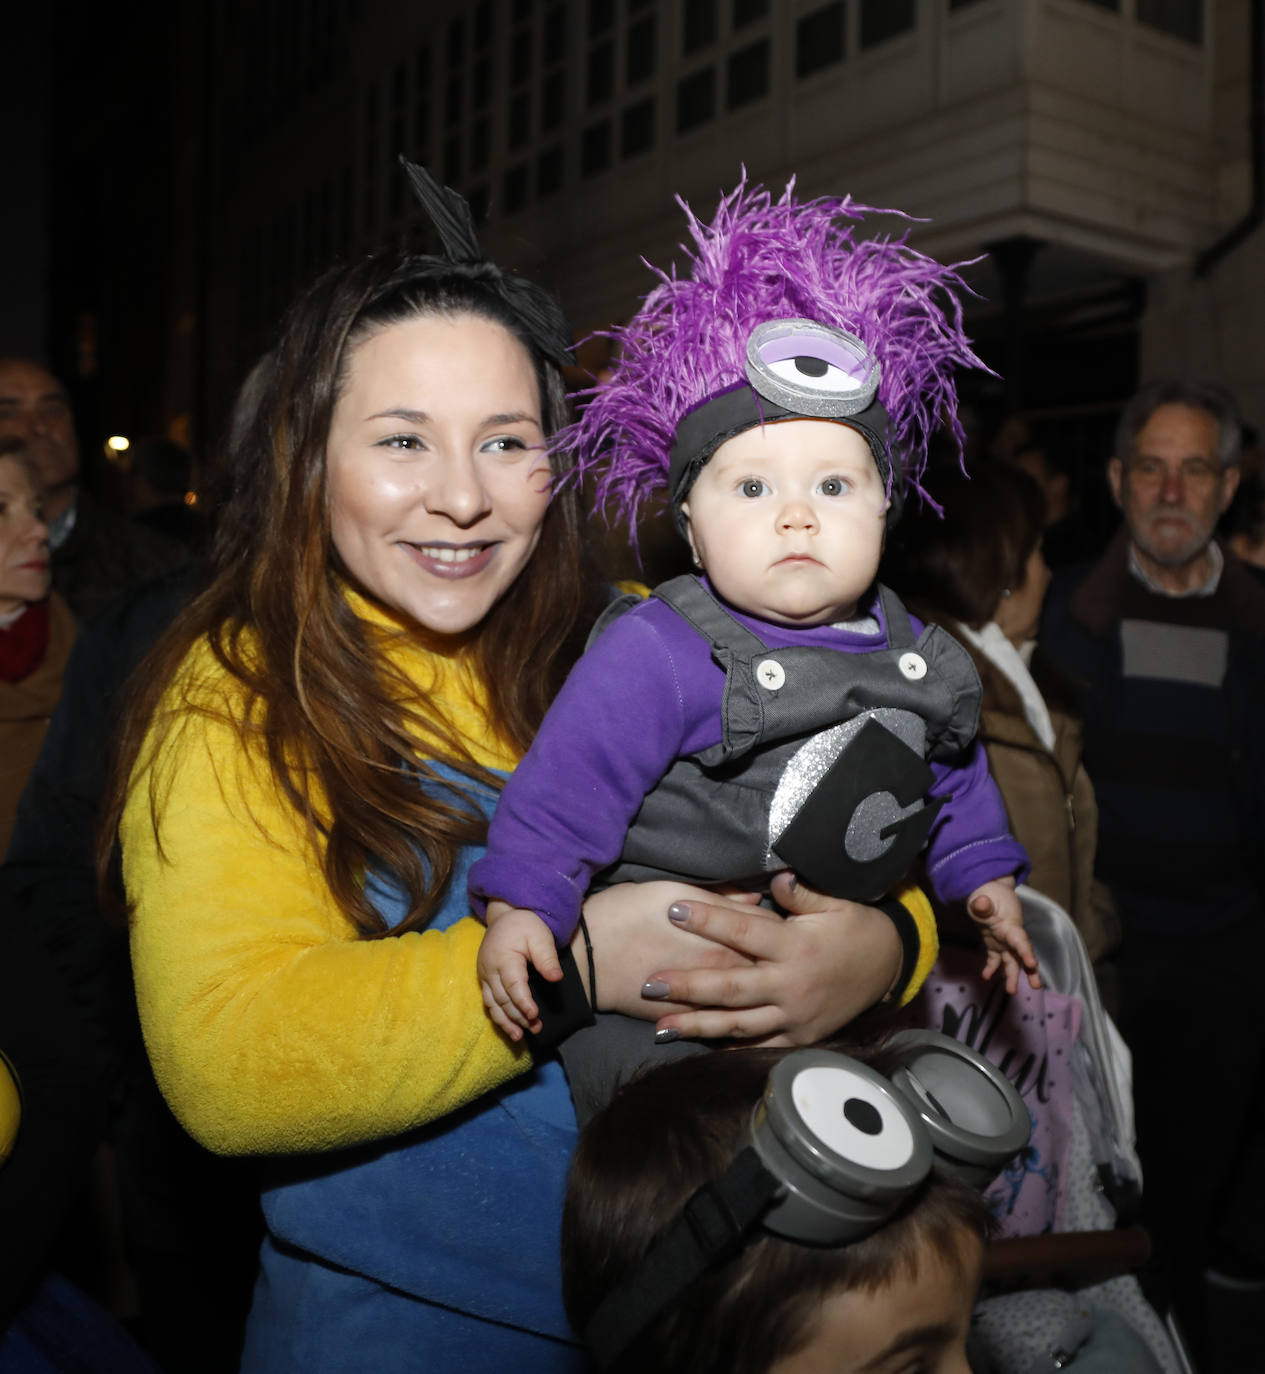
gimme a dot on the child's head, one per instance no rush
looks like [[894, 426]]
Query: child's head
[[782, 315], [777, 1306], [787, 519]]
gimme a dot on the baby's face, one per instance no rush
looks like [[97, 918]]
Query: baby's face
[[788, 521]]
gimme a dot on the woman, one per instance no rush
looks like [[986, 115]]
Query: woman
[[979, 572], [397, 593], [36, 631]]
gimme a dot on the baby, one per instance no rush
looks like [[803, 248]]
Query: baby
[[781, 709]]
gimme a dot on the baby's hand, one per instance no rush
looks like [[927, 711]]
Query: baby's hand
[[514, 939], [998, 914]]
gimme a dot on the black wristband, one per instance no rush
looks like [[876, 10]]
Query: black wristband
[[910, 947], [563, 1006]]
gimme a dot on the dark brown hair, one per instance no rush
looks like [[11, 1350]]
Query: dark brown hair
[[641, 1158], [346, 738], [959, 565]]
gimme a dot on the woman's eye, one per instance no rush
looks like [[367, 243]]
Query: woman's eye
[[834, 486], [753, 487], [404, 443], [505, 443]]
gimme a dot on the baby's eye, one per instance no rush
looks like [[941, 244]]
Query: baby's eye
[[753, 487], [835, 486]]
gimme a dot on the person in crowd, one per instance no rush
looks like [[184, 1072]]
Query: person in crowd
[[160, 494], [97, 554], [977, 568], [397, 591], [898, 1298], [36, 628], [778, 390], [1167, 631], [1067, 537]]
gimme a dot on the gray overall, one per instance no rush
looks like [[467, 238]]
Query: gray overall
[[821, 768]]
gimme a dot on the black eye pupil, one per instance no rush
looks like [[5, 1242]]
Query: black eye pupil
[[811, 367], [863, 1115]]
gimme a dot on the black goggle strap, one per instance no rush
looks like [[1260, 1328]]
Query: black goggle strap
[[710, 1230]]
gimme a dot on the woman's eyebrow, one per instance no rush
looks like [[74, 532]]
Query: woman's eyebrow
[[417, 417], [421, 417], [933, 1334]]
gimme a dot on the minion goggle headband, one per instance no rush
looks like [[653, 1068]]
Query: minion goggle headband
[[835, 1149], [796, 370]]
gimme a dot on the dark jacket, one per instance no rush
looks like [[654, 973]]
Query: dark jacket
[[1080, 630]]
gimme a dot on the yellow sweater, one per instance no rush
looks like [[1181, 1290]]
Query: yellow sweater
[[271, 1025]]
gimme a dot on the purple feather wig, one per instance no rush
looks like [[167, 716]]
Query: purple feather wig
[[758, 261]]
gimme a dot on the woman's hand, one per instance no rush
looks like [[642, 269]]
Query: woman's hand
[[750, 974]]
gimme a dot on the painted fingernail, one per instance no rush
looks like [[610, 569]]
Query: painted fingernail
[[679, 912], [666, 1037], [654, 989]]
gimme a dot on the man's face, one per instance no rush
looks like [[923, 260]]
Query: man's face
[[34, 406], [1173, 487]]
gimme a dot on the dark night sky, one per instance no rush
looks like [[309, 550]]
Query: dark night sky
[[25, 102]]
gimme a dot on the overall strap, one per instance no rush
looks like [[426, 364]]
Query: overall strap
[[703, 613], [900, 629]]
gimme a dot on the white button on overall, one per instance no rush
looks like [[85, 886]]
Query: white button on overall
[[913, 666], [770, 674]]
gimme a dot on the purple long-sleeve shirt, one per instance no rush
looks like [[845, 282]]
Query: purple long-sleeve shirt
[[645, 694]]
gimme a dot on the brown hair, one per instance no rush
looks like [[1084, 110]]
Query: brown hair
[[660, 1139], [959, 564], [331, 716]]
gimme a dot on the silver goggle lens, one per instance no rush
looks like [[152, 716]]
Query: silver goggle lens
[[812, 368]]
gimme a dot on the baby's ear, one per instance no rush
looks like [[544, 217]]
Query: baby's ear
[[689, 532]]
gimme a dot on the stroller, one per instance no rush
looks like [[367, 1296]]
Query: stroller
[[1060, 1204]]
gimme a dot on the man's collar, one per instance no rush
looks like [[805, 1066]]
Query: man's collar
[[1216, 564]]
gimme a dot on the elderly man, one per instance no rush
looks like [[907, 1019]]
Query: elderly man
[[1167, 631], [97, 555]]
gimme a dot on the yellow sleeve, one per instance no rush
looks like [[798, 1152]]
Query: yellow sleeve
[[914, 900], [271, 1026]]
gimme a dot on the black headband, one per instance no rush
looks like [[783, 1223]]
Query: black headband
[[535, 308], [703, 430]]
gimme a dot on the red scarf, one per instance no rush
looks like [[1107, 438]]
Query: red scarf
[[24, 643]]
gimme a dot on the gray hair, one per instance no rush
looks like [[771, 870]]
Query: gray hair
[[1205, 396]]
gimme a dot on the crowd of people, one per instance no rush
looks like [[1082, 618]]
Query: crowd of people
[[304, 1057]]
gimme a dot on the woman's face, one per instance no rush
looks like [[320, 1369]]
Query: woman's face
[[438, 479], [1019, 614], [25, 576]]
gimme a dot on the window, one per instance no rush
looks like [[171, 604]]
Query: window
[[549, 172], [520, 56], [456, 42], [819, 39], [601, 73], [639, 55], [522, 10], [748, 74], [884, 19], [483, 26], [454, 99], [601, 16], [452, 159], [554, 35], [481, 84], [518, 127], [479, 146], [695, 99], [514, 190], [636, 128], [748, 11], [1180, 18], [595, 148], [698, 28], [553, 100], [477, 199]]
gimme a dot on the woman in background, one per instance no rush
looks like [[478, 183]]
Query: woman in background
[[36, 630], [979, 572]]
